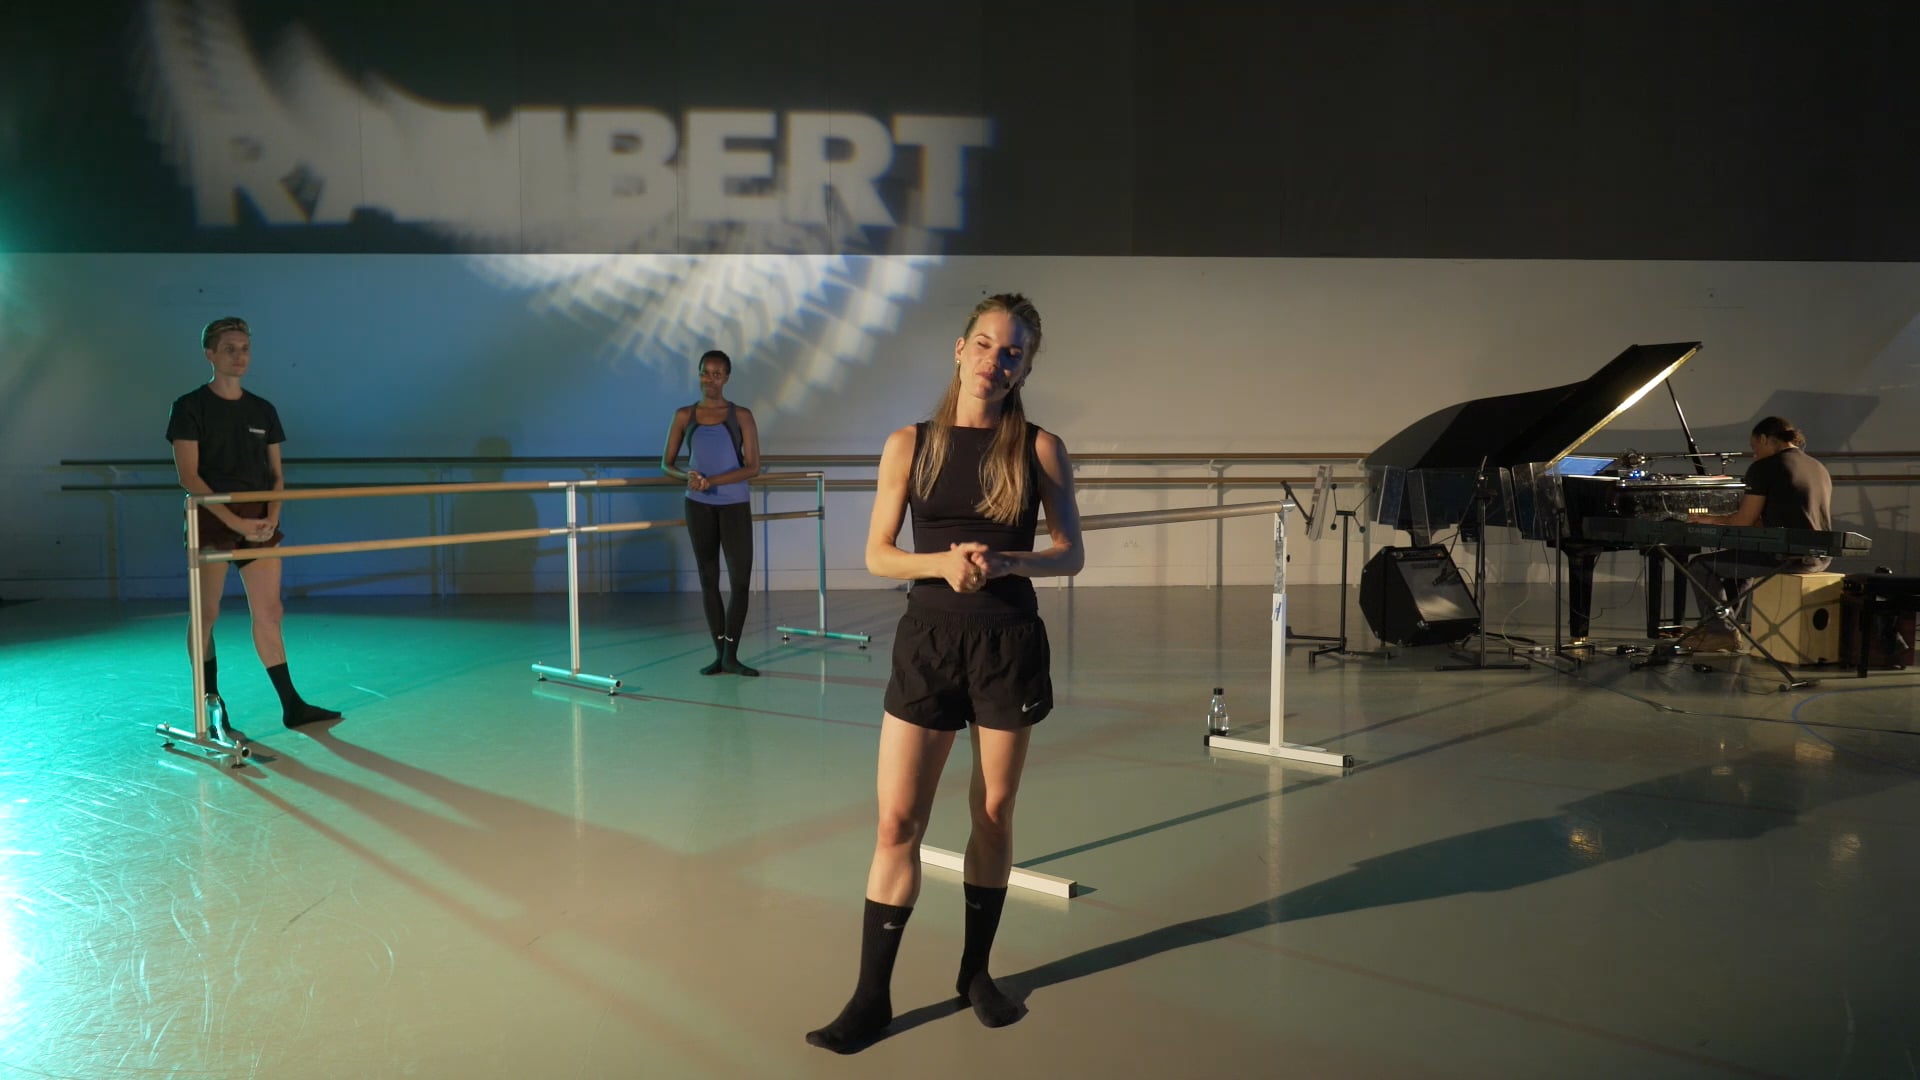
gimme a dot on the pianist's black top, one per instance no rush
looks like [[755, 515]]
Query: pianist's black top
[[1798, 491]]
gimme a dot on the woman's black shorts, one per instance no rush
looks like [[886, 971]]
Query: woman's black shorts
[[953, 670]]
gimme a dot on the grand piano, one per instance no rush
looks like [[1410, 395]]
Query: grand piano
[[1512, 457]]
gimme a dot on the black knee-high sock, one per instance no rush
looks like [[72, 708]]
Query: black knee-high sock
[[210, 671], [870, 1009], [719, 657], [294, 711], [975, 986]]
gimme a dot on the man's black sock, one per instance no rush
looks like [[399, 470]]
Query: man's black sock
[[295, 712]]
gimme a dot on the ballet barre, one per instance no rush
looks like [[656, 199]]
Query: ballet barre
[[210, 736], [820, 536], [1276, 745]]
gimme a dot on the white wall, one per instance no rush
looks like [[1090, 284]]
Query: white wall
[[378, 356]]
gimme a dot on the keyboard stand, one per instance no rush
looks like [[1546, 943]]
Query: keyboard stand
[[1729, 611]]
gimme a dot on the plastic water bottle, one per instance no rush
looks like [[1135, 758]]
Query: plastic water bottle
[[1217, 713]]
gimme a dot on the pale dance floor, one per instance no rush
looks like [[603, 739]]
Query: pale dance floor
[[479, 875]]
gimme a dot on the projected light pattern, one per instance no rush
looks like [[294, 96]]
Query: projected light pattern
[[760, 232], [815, 316], [295, 141]]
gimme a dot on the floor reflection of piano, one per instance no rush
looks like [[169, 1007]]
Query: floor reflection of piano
[[1515, 448]]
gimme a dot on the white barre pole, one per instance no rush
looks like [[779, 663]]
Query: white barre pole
[[1025, 879], [1276, 745], [202, 737], [572, 673], [1179, 514], [820, 536], [213, 739]]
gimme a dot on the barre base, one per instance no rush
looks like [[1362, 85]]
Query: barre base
[[787, 633], [236, 753], [1025, 879], [1291, 751], [549, 673]]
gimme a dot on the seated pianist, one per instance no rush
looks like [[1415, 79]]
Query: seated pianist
[[1785, 489]]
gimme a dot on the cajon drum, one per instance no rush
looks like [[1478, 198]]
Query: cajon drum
[[1796, 617]]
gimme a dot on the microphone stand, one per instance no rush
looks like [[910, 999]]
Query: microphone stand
[[1482, 495], [1306, 515]]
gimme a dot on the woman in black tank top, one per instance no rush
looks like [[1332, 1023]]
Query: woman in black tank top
[[971, 652]]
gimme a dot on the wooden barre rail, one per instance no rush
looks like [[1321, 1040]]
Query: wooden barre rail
[[1090, 524], [872, 460], [345, 547], [1178, 514], [303, 494]]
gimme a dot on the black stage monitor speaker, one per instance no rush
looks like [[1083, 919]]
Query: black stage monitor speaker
[[1415, 596]]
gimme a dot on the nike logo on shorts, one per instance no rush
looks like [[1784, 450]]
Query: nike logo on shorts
[[1030, 707]]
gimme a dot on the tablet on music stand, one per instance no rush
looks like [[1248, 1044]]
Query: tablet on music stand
[[1322, 488]]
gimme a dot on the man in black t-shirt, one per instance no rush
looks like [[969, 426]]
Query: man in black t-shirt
[[227, 439], [1786, 489]]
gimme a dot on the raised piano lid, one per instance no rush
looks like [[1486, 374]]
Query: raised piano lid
[[1538, 427]]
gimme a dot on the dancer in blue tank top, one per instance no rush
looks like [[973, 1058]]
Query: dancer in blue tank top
[[971, 652], [724, 453]]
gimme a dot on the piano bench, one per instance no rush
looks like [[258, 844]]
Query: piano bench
[[1797, 617]]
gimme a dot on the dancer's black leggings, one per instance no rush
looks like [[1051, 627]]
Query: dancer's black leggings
[[715, 529]]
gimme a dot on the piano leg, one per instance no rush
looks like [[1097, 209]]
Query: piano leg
[[1580, 565], [1680, 591], [1657, 621], [1656, 573]]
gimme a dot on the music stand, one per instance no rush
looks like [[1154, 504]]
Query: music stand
[[1317, 525], [1316, 521]]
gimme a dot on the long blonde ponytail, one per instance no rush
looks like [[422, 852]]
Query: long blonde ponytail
[[1005, 468]]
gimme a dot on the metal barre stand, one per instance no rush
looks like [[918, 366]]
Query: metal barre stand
[[1275, 746], [210, 733], [820, 534], [573, 675]]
